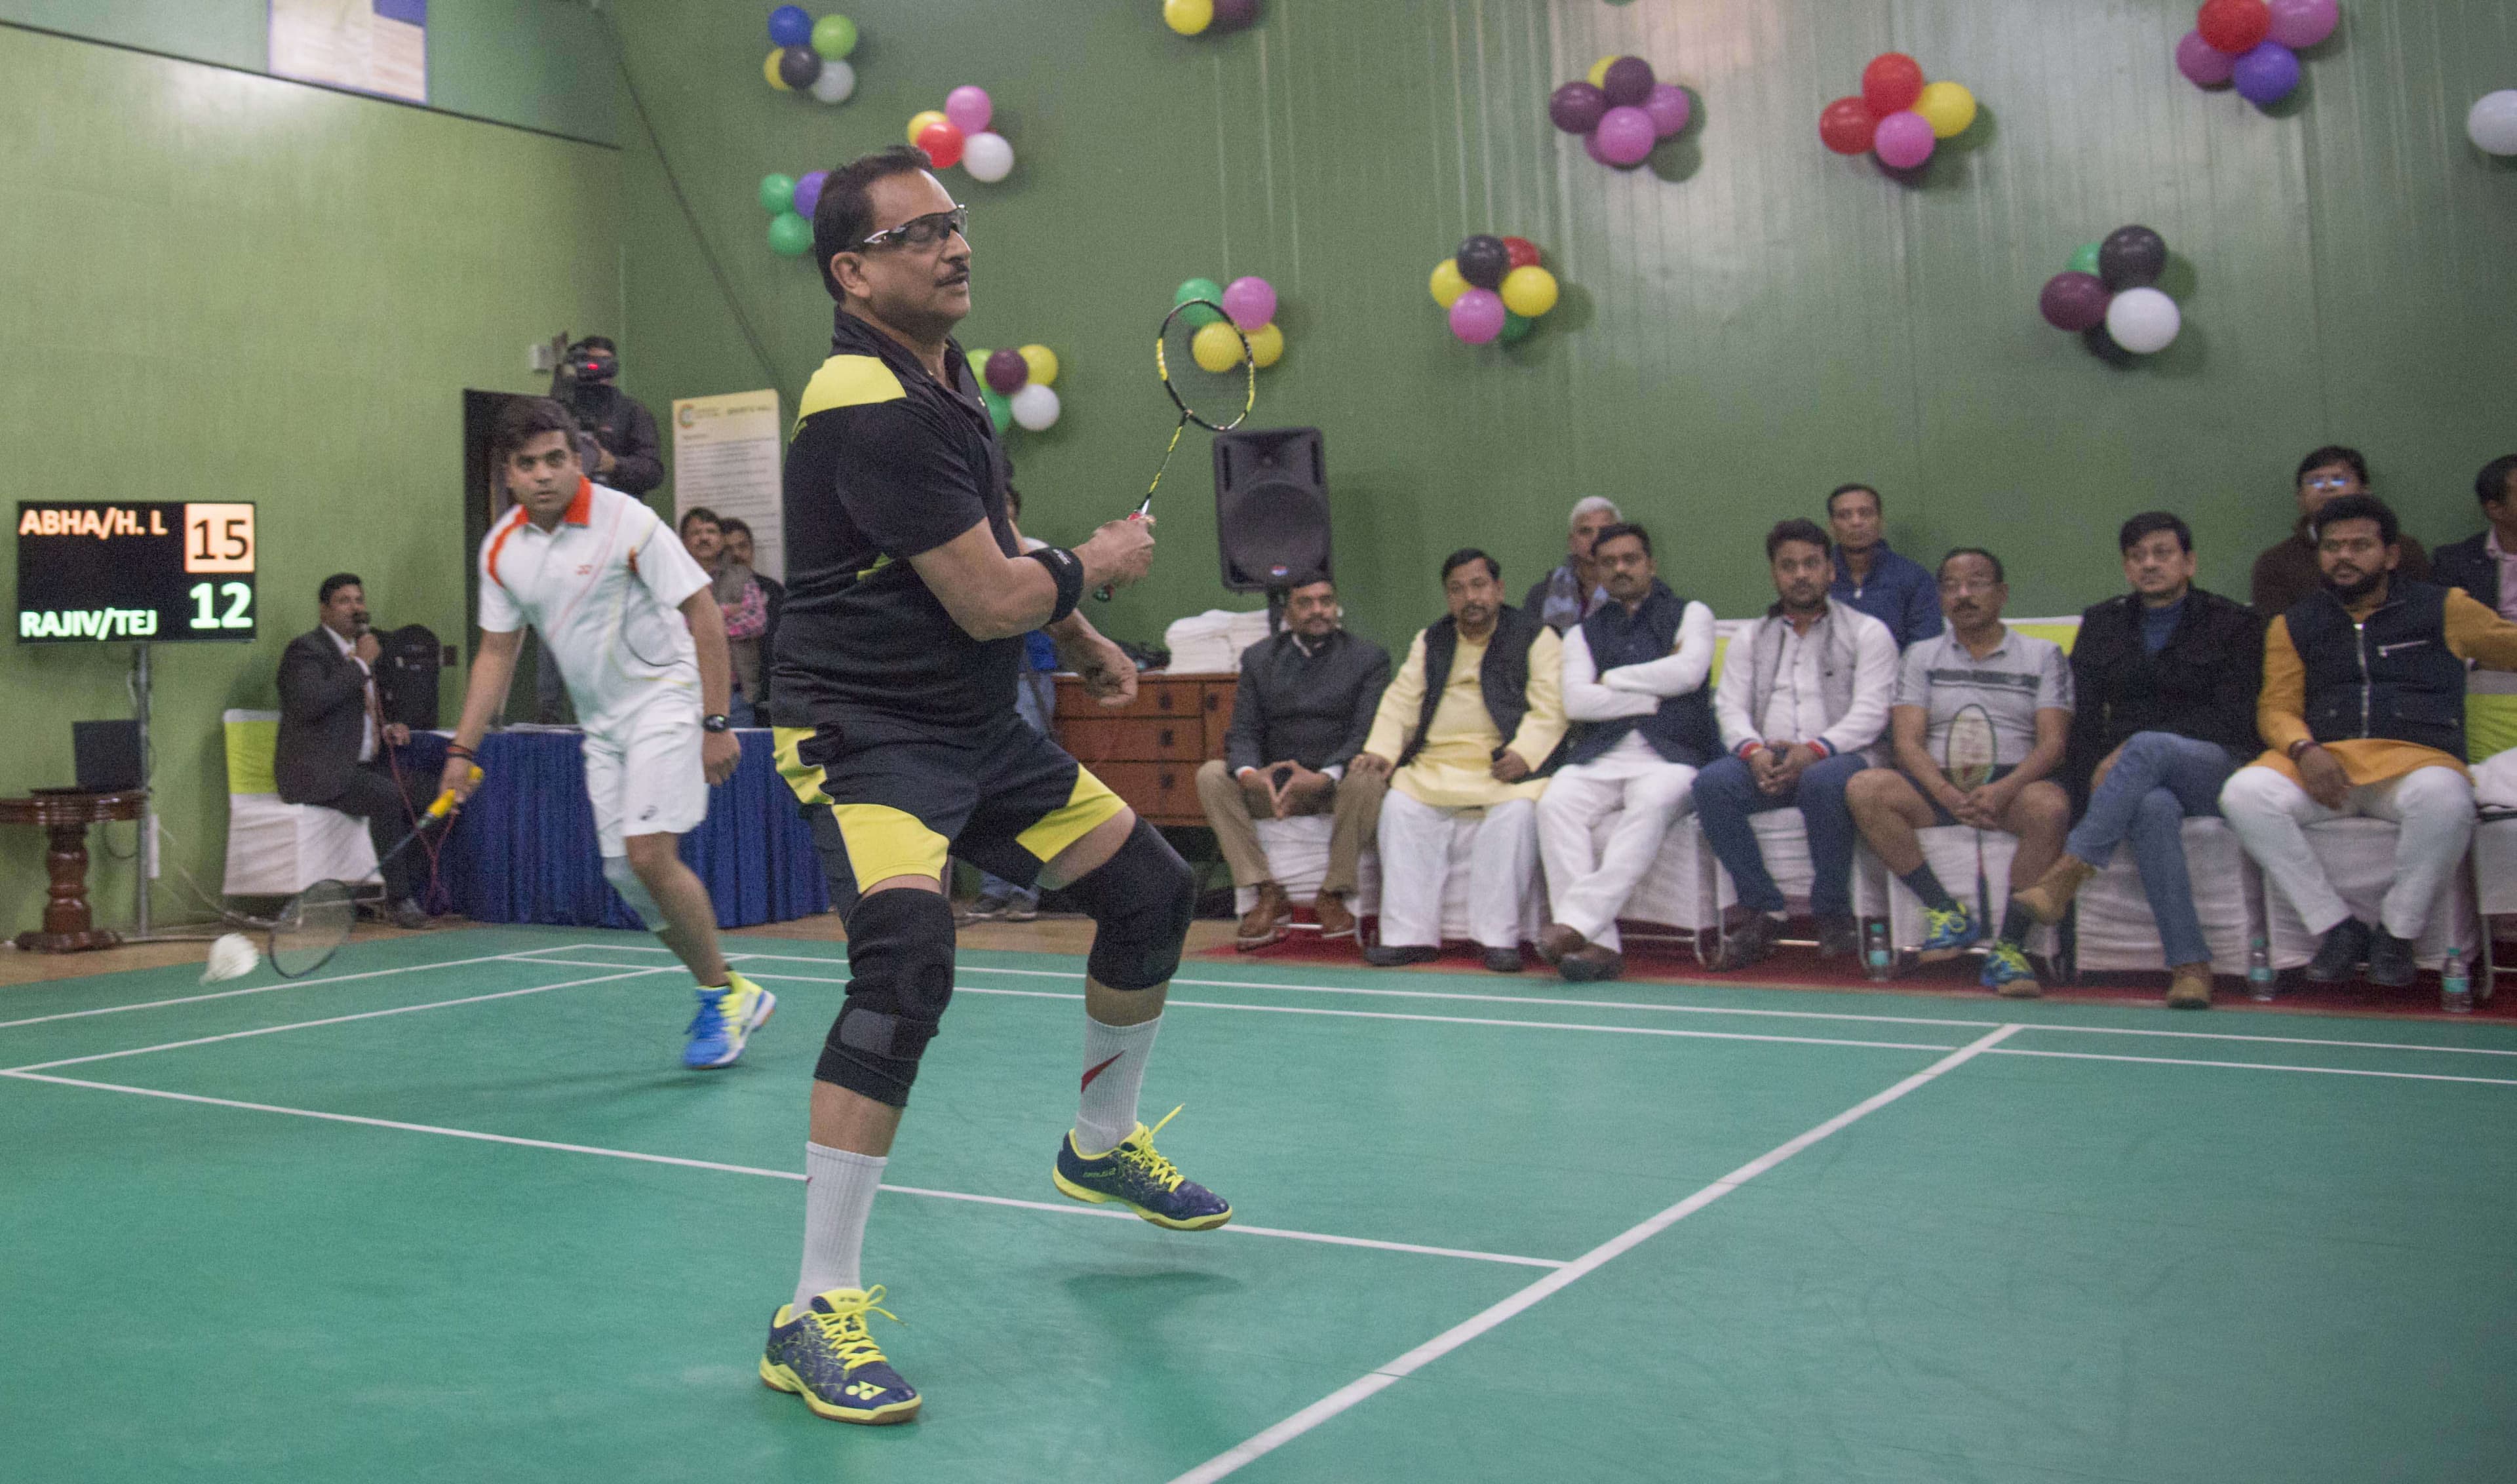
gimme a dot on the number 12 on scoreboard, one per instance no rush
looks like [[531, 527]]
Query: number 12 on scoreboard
[[205, 611]]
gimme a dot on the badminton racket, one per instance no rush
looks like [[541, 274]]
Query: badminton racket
[[1192, 356], [1968, 755]]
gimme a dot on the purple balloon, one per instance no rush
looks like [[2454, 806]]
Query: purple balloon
[[2073, 302], [2267, 75], [2304, 22], [2203, 64], [1669, 108], [1576, 106], [1232, 15], [1904, 140], [1250, 303], [1628, 81], [969, 108], [808, 192], [1625, 136], [1476, 316], [1006, 372]]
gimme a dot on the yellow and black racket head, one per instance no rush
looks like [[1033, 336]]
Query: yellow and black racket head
[[1205, 364]]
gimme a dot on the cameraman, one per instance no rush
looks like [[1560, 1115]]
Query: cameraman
[[625, 453], [336, 748]]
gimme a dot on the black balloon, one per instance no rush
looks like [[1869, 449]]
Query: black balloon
[[1483, 260], [799, 67], [2131, 257], [1232, 15]]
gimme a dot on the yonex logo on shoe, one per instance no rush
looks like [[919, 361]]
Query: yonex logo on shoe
[[864, 1391]]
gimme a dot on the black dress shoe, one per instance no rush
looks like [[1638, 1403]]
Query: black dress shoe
[[406, 913], [1749, 943], [1591, 964], [1503, 961], [2389, 959], [1389, 955], [2337, 958], [1839, 937]]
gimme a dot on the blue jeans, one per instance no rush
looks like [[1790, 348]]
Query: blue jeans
[[1726, 794], [2161, 780]]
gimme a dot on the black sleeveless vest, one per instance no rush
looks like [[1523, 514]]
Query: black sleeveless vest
[[2392, 675], [1502, 678], [1683, 730]]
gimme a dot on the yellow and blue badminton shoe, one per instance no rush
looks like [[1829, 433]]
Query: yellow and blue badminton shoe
[[726, 1019], [1948, 931], [825, 1356], [2007, 972], [1136, 1176]]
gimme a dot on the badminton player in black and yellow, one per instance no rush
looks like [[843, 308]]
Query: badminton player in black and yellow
[[908, 596]]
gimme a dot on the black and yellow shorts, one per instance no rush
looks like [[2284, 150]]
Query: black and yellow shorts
[[891, 799]]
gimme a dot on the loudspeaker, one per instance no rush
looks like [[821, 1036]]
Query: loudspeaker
[[407, 676], [105, 755], [1271, 508]]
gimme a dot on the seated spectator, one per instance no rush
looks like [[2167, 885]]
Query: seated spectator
[[1871, 578], [1805, 695], [2287, 571], [1643, 723], [2484, 564], [2165, 677], [1571, 593], [335, 748], [1299, 715], [1471, 721], [739, 597], [2022, 685], [2364, 708], [773, 594]]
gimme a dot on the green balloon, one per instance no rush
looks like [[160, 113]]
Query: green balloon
[[999, 411], [2085, 261], [979, 364], [1200, 289], [1514, 327], [790, 236], [777, 194], [835, 37]]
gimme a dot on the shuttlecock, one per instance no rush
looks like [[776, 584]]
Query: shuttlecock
[[231, 956]]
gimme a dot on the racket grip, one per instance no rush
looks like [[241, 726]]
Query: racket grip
[[1143, 512], [445, 804]]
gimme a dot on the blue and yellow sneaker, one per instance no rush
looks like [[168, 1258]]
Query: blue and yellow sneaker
[[825, 1356], [726, 1019], [1137, 1177], [1947, 933], [2006, 972]]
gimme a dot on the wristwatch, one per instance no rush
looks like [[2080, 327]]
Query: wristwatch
[[717, 723]]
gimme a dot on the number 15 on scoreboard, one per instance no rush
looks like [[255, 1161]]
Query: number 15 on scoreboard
[[218, 537]]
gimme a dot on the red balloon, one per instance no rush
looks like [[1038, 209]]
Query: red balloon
[[943, 144], [2233, 26], [1847, 125], [1525, 253], [1894, 80]]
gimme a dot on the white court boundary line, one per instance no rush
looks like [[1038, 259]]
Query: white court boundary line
[[1068, 1209], [2184, 1061], [1380, 1377], [302, 984]]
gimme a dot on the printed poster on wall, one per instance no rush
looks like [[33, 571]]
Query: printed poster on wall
[[726, 456], [369, 46]]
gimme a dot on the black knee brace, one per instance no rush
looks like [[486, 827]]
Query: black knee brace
[[900, 962], [1140, 902]]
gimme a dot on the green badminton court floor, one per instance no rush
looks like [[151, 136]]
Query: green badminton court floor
[[453, 1211]]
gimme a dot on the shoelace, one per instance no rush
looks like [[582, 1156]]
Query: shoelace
[[845, 1328], [1149, 1160]]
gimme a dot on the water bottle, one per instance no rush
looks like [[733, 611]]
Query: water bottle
[[2455, 990], [2259, 970], [1878, 959]]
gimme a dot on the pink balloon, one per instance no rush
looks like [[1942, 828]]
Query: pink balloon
[[1476, 316], [2203, 64], [2304, 22], [1904, 140], [1591, 147], [1251, 303], [1669, 107], [969, 108], [1625, 135]]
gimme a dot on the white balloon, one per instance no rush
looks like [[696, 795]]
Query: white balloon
[[2142, 320], [2492, 123], [988, 157], [837, 82], [1034, 407]]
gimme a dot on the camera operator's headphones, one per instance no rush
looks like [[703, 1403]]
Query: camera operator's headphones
[[588, 362]]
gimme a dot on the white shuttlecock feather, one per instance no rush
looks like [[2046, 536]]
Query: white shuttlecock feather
[[231, 956]]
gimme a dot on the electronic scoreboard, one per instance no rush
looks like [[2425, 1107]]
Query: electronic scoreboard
[[159, 573]]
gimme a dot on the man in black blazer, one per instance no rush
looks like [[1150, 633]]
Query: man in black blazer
[[2480, 563], [334, 742]]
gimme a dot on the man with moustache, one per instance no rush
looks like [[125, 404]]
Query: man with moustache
[[335, 749], [1893, 589], [2288, 569]]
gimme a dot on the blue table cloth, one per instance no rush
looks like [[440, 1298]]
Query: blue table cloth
[[524, 849]]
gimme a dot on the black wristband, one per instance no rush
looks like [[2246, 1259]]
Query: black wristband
[[1068, 568]]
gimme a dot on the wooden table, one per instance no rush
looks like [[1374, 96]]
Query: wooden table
[[65, 813], [1148, 751]]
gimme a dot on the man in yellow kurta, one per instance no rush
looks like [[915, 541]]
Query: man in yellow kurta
[[1471, 721], [2364, 708]]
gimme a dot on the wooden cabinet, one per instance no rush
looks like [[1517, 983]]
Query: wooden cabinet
[[1148, 750]]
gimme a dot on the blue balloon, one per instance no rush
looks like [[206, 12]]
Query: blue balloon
[[2267, 75], [788, 25]]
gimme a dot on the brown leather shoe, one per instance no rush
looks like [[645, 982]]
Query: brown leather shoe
[[1591, 963], [2189, 987], [1555, 941], [2052, 895], [1334, 920], [1265, 920]]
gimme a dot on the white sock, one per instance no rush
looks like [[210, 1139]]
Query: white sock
[[838, 1195], [1114, 1071]]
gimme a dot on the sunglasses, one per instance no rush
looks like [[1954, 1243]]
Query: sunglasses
[[921, 231]]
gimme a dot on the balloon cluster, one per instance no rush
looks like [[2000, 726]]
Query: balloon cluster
[[956, 133], [2109, 283], [1250, 303], [790, 200], [811, 55], [1620, 109], [1493, 288], [2253, 44], [2491, 124], [1896, 114], [1015, 384], [1194, 18]]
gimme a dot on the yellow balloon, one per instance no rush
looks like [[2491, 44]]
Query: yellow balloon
[[1448, 286], [925, 117], [1188, 17], [769, 69], [1947, 107], [1599, 73], [1043, 362], [1529, 291], [1218, 346], [1266, 346]]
